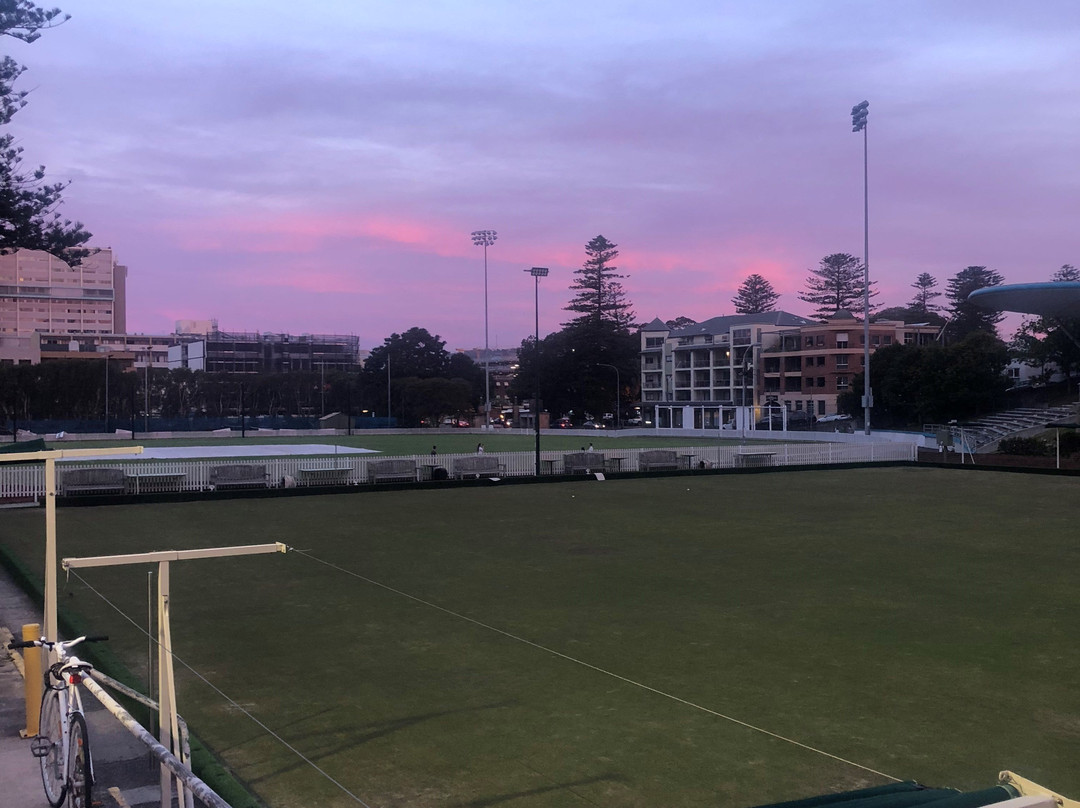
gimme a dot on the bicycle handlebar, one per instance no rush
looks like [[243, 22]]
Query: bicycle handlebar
[[43, 643]]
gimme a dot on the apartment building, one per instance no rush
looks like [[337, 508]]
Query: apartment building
[[42, 293], [695, 377], [806, 369], [703, 376]]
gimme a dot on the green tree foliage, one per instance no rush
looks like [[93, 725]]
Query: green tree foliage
[[29, 216], [755, 296], [1050, 343], [413, 353], [680, 322], [909, 314], [923, 301], [837, 284], [599, 299], [914, 385], [966, 317], [572, 378]]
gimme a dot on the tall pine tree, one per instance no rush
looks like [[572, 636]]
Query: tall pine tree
[[756, 296], [599, 299], [837, 284], [923, 302], [28, 205], [966, 316]]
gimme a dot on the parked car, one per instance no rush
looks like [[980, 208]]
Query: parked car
[[591, 425], [797, 420], [828, 419], [563, 423]]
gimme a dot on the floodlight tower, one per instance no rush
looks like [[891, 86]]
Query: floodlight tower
[[859, 124], [485, 238]]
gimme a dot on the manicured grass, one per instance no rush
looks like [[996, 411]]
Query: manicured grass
[[919, 621]]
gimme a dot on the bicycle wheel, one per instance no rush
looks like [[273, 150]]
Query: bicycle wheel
[[80, 769], [49, 748]]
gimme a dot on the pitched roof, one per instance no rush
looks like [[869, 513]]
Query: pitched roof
[[721, 325]]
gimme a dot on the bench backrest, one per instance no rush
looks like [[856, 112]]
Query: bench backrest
[[395, 466], [239, 471], [592, 460], [657, 456], [475, 464], [94, 477]]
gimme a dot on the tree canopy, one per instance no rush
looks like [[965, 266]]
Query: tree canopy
[[599, 298], [755, 296], [29, 216], [965, 316], [836, 284], [923, 301]]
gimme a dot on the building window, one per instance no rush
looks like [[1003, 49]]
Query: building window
[[809, 342], [888, 340], [875, 340], [841, 340], [821, 361], [841, 382], [809, 361], [841, 362], [821, 408], [821, 340], [820, 381], [909, 338], [654, 342]]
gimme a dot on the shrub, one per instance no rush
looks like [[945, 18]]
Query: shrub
[[1031, 447], [1070, 442]]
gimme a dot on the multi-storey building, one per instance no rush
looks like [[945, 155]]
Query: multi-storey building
[[697, 375], [702, 376], [805, 369], [234, 352], [42, 293]]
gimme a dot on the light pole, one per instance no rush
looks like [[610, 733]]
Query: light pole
[[485, 238], [618, 388], [537, 273], [858, 124], [747, 364]]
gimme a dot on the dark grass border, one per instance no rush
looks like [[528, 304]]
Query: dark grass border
[[204, 763]]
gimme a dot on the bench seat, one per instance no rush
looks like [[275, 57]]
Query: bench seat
[[93, 481], [395, 469], [239, 475], [583, 462], [323, 475], [479, 466], [658, 460]]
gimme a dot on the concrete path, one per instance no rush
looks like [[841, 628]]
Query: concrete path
[[125, 776]]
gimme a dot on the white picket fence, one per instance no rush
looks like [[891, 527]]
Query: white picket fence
[[20, 482]]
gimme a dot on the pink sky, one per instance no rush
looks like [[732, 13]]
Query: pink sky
[[318, 167]]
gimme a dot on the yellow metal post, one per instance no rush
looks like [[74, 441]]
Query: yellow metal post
[[32, 683]]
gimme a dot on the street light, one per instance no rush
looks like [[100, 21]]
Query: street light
[[858, 124], [485, 238], [537, 273], [748, 363], [618, 388]]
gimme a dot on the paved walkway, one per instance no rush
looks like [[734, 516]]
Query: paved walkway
[[125, 776]]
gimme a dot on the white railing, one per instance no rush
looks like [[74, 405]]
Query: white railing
[[155, 476]]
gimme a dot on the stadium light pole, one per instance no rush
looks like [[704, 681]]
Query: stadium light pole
[[859, 124], [618, 388], [485, 238], [537, 273]]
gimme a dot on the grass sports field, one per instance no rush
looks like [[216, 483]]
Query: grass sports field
[[588, 642]]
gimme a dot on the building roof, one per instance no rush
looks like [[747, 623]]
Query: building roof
[[656, 325], [1051, 299], [721, 325]]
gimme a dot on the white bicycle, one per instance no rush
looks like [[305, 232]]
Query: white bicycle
[[62, 745]]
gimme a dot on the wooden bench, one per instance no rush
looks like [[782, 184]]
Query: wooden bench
[[93, 481], [658, 460], [754, 458], [479, 466], [144, 482], [239, 475], [323, 475], [396, 469], [583, 462]]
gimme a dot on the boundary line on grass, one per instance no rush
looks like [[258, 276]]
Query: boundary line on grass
[[595, 668]]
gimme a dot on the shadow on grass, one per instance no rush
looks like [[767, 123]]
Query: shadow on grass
[[532, 792], [334, 742]]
